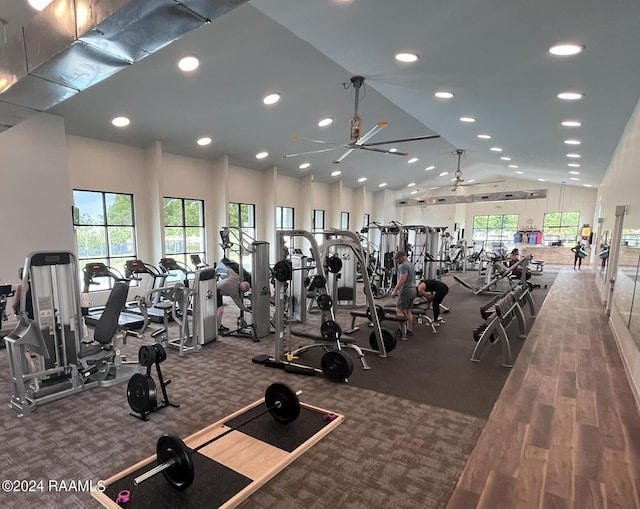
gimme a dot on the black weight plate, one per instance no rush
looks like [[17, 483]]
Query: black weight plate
[[388, 338], [146, 355], [282, 270], [330, 330], [336, 365], [171, 448], [161, 353], [282, 402], [141, 393], [324, 301], [379, 312], [333, 264]]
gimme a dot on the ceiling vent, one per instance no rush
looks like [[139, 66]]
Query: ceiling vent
[[74, 44]]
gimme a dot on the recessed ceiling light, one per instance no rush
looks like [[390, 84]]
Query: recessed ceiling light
[[565, 49], [413, 160], [519, 172], [429, 168], [570, 96], [407, 56], [496, 149], [467, 119], [505, 158], [325, 122], [336, 173], [39, 4], [262, 155], [433, 188], [443, 174], [587, 185], [574, 172], [362, 179], [411, 184], [414, 191], [121, 121], [393, 149], [304, 166], [382, 185], [573, 178], [571, 123], [271, 99], [443, 94], [541, 180], [189, 63], [573, 165], [484, 136], [205, 140], [470, 181], [574, 156], [572, 142], [513, 166]]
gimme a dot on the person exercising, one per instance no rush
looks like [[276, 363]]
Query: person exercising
[[434, 291], [231, 286], [405, 289]]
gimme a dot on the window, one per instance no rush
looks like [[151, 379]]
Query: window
[[183, 229], [318, 224], [366, 220], [284, 218], [105, 231], [560, 227], [630, 237], [344, 220], [242, 219], [495, 231]]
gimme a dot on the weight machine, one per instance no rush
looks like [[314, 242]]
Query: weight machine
[[498, 272], [48, 357], [258, 279]]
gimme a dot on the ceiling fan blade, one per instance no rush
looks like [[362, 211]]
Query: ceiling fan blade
[[296, 137], [310, 152], [359, 144], [380, 150], [341, 158], [417, 138], [482, 183]]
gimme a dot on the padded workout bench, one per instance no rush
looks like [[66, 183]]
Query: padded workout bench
[[401, 320], [229, 470], [421, 317], [340, 343]]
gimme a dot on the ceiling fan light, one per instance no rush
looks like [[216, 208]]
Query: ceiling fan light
[[407, 57], [325, 122], [566, 49]]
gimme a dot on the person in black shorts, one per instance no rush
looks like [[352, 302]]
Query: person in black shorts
[[436, 291]]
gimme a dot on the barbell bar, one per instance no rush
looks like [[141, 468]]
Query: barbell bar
[[174, 456]]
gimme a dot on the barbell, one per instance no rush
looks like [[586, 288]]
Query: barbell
[[174, 456]]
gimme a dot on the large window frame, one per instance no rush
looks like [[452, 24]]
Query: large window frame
[[344, 220], [495, 231], [285, 218], [105, 228], [561, 227], [241, 217], [318, 221], [184, 228]]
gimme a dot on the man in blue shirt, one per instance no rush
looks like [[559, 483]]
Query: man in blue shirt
[[405, 289]]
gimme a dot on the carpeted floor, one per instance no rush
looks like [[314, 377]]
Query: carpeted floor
[[402, 444]]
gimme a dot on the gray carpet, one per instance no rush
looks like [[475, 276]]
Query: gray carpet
[[401, 444]]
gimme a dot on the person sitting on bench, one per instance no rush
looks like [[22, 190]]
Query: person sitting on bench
[[435, 291], [231, 286], [406, 289], [514, 258]]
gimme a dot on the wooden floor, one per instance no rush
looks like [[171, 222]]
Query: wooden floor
[[565, 432]]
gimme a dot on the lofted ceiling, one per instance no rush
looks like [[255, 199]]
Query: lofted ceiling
[[493, 55]]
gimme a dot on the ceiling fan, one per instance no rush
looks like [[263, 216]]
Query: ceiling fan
[[458, 179], [358, 141]]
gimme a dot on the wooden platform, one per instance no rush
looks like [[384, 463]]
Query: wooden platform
[[228, 470]]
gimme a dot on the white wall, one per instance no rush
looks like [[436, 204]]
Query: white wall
[[35, 192]]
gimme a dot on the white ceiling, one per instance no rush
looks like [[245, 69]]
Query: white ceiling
[[492, 54]]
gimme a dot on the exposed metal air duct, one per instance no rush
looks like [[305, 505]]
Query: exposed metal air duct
[[473, 198], [74, 44]]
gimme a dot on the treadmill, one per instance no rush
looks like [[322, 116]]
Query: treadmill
[[135, 270], [127, 320]]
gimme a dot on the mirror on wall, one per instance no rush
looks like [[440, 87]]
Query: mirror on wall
[[627, 293]]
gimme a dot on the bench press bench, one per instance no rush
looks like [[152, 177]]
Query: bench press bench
[[382, 316]]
